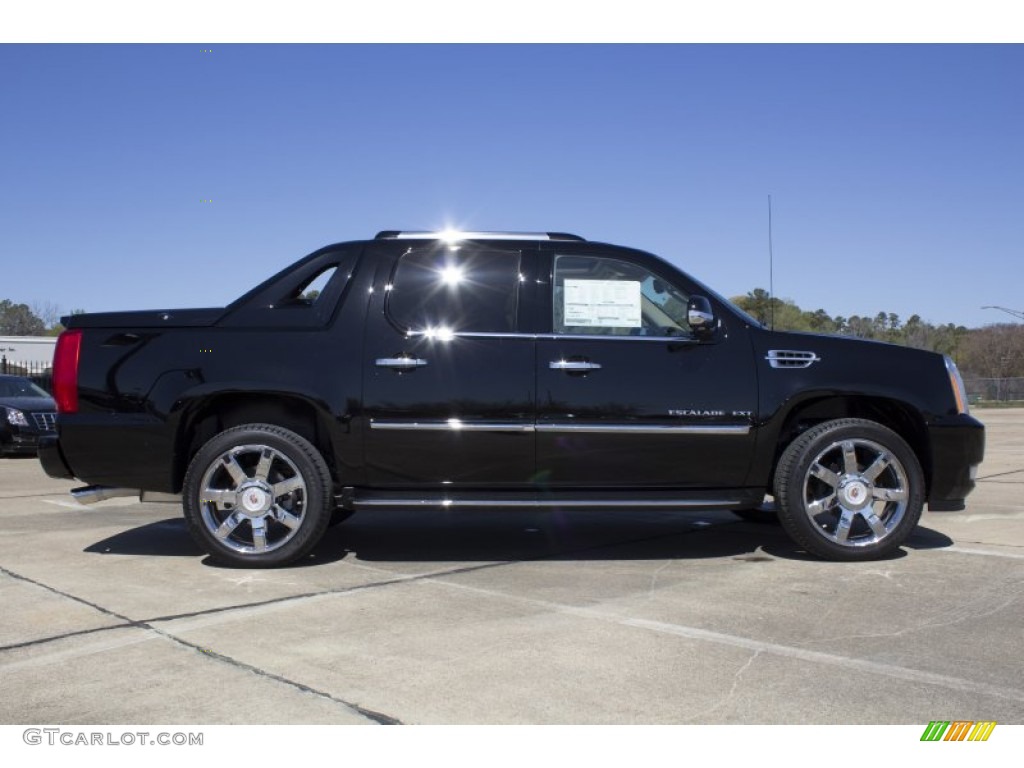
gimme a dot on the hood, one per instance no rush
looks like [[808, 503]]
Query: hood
[[29, 404], [870, 349]]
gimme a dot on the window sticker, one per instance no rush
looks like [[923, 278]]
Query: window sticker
[[604, 303]]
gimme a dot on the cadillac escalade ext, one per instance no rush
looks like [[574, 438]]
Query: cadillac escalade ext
[[492, 370]]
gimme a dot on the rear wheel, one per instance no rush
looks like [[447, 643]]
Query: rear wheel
[[849, 489], [257, 495]]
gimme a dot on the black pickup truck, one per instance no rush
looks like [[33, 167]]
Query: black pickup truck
[[491, 370]]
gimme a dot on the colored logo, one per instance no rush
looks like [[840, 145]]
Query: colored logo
[[958, 730]]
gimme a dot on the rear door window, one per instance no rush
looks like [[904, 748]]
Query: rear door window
[[455, 289]]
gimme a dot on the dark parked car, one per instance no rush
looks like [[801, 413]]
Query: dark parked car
[[490, 370], [26, 412]]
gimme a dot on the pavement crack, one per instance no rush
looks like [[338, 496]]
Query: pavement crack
[[698, 717], [989, 543], [64, 636], [1000, 474], [377, 717], [129, 623], [655, 575], [951, 617], [407, 579], [321, 593], [95, 606]]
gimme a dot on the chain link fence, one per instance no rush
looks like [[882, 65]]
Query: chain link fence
[[41, 372], [994, 390]]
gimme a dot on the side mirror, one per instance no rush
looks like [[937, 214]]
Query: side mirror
[[701, 317]]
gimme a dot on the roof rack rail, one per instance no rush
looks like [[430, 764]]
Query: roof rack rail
[[454, 236]]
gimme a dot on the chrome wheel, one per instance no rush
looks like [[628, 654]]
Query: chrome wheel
[[849, 489], [855, 492], [252, 499], [258, 495]]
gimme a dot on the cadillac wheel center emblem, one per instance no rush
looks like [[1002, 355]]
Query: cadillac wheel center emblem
[[855, 494], [254, 500]]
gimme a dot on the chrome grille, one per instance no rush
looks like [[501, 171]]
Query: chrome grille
[[45, 422]]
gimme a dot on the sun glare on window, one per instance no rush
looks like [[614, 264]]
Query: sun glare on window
[[451, 275]]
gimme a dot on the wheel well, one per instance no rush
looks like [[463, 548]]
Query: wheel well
[[899, 417], [216, 414]]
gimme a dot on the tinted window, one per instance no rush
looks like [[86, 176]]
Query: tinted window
[[312, 290], [457, 289], [305, 295], [609, 297]]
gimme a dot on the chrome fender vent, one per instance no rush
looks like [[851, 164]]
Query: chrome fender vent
[[791, 358]]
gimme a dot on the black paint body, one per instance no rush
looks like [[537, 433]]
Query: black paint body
[[486, 416]]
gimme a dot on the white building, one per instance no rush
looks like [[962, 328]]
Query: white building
[[21, 350]]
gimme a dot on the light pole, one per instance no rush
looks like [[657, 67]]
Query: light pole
[[1015, 312]]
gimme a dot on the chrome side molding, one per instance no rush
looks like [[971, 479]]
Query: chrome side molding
[[638, 503], [452, 425], [646, 429], [458, 425]]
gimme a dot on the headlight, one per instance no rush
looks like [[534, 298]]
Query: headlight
[[957, 383], [16, 417]]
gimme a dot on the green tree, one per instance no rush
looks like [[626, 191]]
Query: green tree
[[757, 303], [820, 321], [995, 351], [979, 347], [19, 320], [781, 314]]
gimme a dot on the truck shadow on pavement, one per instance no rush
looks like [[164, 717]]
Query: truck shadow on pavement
[[467, 536]]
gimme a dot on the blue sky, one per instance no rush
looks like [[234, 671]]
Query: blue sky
[[896, 172]]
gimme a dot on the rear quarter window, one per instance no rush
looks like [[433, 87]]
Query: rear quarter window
[[304, 297]]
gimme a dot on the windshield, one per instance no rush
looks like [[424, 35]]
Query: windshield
[[20, 388]]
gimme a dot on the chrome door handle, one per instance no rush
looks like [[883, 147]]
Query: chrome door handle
[[400, 363], [573, 365]]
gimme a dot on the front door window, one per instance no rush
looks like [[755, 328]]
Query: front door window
[[608, 297]]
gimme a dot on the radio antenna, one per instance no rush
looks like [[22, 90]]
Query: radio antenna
[[771, 270]]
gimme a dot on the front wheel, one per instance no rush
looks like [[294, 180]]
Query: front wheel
[[849, 489], [258, 496]]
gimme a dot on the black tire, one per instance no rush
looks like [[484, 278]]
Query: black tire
[[257, 496], [849, 489]]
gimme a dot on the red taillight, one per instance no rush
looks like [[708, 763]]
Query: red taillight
[[65, 371]]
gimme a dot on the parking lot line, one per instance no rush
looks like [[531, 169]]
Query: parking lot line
[[986, 552]]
